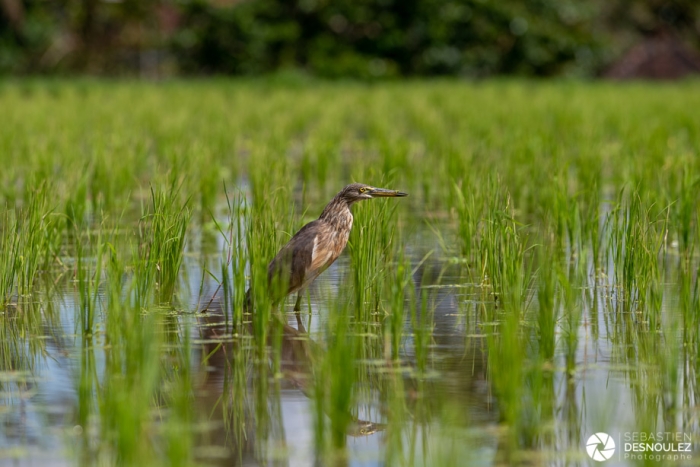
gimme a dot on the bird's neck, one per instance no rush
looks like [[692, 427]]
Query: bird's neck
[[337, 213]]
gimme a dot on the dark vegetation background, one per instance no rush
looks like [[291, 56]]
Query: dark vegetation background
[[342, 38]]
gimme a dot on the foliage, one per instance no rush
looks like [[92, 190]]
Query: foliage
[[383, 38], [365, 39]]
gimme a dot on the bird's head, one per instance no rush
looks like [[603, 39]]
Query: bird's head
[[360, 428], [359, 191]]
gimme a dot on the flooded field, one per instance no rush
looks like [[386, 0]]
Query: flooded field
[[533, 301]]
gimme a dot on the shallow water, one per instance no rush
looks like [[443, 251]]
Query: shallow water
[[432, 408]]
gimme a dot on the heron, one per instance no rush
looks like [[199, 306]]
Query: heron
[[318, 244]]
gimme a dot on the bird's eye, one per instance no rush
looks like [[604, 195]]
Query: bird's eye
[[363, 190]]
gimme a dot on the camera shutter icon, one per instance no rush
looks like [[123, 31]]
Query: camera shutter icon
[[600, 447]]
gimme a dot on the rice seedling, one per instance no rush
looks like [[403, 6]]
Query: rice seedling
[[371, 248], [683, 210], [9, 254], [561, 298], [637, 235], [399, 292], [38, 239], [161, 245], [547, 303], [232, 284], [503, 252]]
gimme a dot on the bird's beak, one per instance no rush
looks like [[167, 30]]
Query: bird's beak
[[384, 193]]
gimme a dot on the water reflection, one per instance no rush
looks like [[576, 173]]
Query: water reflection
[[231, 377], [434, 404]]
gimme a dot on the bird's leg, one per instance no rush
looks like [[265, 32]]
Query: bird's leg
[[300, 325], [297, 310]]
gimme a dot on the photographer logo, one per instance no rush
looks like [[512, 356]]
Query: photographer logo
[[600, 447]]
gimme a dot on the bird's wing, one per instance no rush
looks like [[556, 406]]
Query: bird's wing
[[322, 255], [295, 258]]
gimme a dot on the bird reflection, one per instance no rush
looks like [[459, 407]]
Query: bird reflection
[[229, 381]]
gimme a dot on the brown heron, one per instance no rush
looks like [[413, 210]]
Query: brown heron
[[318, 244]]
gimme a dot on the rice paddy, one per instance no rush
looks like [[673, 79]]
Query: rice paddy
[[539, 284]]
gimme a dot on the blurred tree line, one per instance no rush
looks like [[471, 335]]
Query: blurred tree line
[[357, 38]]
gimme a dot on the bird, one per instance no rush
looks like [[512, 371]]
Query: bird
[[318, 244]]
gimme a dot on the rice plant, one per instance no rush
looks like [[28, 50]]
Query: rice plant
[[539, 284]]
